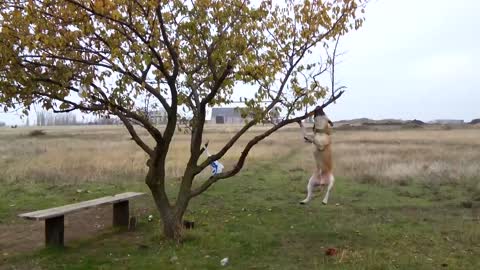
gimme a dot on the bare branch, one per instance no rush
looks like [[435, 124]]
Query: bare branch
[[250, 124], [134, 134], [166, 40], [332, 73], [64, 111], [251, 144], [218, 84], [276, 100]]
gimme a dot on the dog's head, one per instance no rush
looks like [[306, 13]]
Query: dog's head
[[319, 111]]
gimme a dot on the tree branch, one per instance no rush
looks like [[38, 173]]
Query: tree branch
[[251, 144], [134, 134], [166, 40], [245, 128]]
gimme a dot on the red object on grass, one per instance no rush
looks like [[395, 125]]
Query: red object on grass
[[331, 252]]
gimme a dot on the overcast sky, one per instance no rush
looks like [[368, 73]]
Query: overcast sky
[[412, 59]]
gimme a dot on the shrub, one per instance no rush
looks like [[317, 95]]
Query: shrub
[[36, 133]]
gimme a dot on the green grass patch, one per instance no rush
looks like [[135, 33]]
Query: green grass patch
[[255, 220]]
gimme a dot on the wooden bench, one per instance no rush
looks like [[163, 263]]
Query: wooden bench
[[54, 217]]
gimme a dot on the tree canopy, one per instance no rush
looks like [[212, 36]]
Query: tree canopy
[[107, 56]]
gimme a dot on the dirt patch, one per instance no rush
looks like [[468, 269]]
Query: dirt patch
[[29, 236]]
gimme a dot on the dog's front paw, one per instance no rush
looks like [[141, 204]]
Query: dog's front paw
[[324, 202], [304, 202]]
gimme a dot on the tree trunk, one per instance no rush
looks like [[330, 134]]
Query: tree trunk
[[172, 226], [171, 217]]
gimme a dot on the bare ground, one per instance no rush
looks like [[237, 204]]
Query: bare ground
[[28, 236]]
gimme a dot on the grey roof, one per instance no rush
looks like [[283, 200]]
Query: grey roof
[[227, 112]]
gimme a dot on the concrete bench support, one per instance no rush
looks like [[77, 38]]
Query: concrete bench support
[[121, 214], [54, 232], [54, 217]]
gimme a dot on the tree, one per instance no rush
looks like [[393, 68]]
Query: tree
[[45, 118], [107, 56]]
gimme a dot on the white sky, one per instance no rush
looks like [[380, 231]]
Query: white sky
[[411, 59]]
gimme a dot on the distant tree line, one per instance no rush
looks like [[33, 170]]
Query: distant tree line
[[51, 119], [103, 121], [45, 118]]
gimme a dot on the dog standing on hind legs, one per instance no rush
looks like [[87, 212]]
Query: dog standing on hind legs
[[323, 174]]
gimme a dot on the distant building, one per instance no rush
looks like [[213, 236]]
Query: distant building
[[475, 121], [2, 124], [416, 122], [226, 116], [448, 122], [158, 117], [234, 116]]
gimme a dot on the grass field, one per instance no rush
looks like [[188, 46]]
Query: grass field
[[404, 199]]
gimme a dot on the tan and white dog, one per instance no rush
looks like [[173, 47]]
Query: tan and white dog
[[323, 174]]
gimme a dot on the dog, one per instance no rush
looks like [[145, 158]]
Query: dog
[[323, 174]]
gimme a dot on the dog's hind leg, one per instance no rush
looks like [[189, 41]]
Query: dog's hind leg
[[331, 181], [312, 182]]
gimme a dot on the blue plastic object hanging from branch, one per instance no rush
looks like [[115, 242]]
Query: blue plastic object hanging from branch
[[216, 166]]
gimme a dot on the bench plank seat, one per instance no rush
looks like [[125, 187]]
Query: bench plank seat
[[54, 217], [70, 208]]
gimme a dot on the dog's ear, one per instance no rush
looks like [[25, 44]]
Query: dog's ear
[[330, 122]]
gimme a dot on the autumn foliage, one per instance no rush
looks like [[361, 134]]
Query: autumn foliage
[[108, 56]]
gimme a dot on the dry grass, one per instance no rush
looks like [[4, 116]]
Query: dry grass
[[420, 155], [82, 154], [254, 219], [79, 154]]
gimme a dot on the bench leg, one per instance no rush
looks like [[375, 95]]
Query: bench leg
[[54, 231], [120, 214]]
